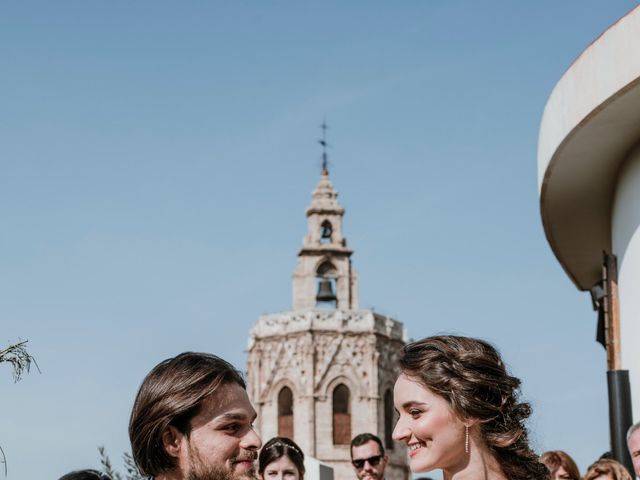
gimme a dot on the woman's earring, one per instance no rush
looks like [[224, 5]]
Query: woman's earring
[[466, 439]]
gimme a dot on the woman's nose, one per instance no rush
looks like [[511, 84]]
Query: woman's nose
[[400, 431]]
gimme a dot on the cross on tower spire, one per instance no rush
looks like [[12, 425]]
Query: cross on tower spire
[[323, 142]]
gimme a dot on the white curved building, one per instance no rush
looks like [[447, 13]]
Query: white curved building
[[589, 174]]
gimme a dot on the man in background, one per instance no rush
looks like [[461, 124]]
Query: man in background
[[368, 457]]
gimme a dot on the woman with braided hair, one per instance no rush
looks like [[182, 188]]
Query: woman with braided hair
[[281, 459], [459, 412]]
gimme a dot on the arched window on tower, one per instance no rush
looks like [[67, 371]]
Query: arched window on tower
[[326, 232], [285, 413], [388, 420], [341, 415]]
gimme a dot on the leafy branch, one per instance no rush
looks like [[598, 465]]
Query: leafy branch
[[19, 358], [107, 468], [4, 461], [129, 464]]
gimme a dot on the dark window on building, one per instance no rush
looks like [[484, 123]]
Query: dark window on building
[[389, 418], [341, 415], [285, 413]]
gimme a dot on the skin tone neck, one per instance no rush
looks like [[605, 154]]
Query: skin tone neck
[[480, 464]]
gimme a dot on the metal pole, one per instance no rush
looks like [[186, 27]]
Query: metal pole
[[620, 416]]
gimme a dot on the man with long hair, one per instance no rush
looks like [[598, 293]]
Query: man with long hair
[[192, 420]]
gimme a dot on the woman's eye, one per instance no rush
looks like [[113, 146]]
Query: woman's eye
[[415, 413]]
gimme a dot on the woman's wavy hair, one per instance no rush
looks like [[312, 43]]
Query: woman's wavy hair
[[277, 448], [555, 459], [607, 466], [470, 375]]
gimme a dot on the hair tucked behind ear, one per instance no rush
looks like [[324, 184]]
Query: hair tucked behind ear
[[470, 375]]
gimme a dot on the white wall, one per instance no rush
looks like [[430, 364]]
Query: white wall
[[316, 470], [625, 231]]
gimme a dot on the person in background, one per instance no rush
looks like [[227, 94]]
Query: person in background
[[460, 412], [633, 443], [607, 469], [281, 459], [367, 457], [85, 475], [561, 465]]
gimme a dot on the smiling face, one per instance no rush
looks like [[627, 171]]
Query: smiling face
[[222, 443], [434, 434], [281, 469]]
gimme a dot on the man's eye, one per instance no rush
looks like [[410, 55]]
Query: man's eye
[[233, 427]]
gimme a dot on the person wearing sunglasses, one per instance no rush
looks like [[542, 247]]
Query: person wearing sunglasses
[[368, 457]]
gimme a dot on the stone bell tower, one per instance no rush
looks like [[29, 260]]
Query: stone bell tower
[[324, 261], [324, 372]]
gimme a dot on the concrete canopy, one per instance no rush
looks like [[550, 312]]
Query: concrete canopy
[[590, 123]]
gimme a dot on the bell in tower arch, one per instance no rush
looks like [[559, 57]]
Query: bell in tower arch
[[326, 232], [325, 291]]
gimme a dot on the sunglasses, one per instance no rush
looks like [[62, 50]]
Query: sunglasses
[[373, 461]]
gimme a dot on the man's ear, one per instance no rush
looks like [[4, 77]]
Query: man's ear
[[172, 441]]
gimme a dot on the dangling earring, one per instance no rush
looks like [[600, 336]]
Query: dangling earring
[[466, 439]]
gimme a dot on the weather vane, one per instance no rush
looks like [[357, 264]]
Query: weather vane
[[323, 142]]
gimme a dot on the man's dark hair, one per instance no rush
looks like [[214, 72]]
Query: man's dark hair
[[85, 475], [364, 438], [171, 395]]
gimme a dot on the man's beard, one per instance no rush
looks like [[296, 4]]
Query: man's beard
[[200, 471], [210, 473], [218, 473]]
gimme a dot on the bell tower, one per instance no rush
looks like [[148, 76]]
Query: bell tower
[[324, 276], [324, 372]]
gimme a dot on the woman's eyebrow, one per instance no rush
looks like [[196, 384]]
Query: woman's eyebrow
[[411, 403]]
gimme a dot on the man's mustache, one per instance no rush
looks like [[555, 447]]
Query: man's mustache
[[250, 456]]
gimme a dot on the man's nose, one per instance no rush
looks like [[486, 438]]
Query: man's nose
[[251, 441]]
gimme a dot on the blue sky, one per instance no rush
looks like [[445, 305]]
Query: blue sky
[[156, 159]]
